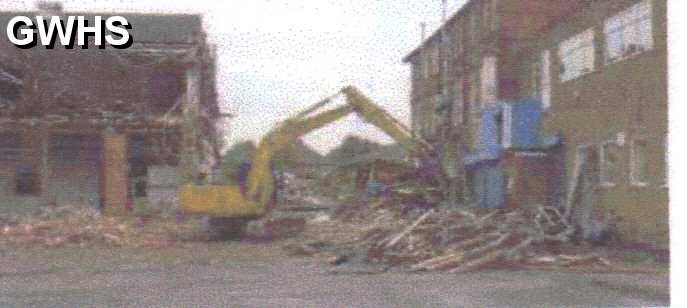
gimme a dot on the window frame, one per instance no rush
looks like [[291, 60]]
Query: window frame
[[545, 83], [489, 83], [565, 53], [33, 177], [507, 126], [633, 161], [626, 20], [666, 162], [603, 180]]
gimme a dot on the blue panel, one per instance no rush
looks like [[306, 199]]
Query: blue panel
[[526, 123]]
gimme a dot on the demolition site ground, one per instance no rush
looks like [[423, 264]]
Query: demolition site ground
[[319, 254], [258, 275]]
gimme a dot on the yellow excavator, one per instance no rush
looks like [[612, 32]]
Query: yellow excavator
[[235, 203]]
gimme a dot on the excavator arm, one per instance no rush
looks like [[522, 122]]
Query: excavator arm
[[226, 201]]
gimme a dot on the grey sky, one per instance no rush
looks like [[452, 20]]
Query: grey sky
[[278, 57]]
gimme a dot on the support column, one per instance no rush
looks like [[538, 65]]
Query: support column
[[190, 160], [114, 173]]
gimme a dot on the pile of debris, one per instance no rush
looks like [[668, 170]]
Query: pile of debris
[[81, 226], [426, 238]]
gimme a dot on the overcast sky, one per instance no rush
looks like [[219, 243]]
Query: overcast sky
[[278, 57]]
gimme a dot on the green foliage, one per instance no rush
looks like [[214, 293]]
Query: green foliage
[[235, 156], [352, 148]]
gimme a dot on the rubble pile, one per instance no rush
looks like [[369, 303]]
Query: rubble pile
[[426, 238], [79, 226]]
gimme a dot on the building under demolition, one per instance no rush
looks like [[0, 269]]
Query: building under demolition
[[596, 136], [103, 127]]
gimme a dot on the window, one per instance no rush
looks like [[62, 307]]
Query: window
[[666, 164], [417, 70], [10, 146], [473, 28], [499, 129], [26, 181], [457, 108], [639, 167], [577, 55], [489, 86], [475, 105], [629, 32], [545, 81], [610, 168], [489, 16], [459, 41], [435, 114], [507, 126], [75, 148], [433, 60]]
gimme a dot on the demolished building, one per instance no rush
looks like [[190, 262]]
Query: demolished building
[[106, 127], [585, 62]]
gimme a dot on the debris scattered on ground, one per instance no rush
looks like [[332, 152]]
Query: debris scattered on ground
[[274, 227], [398, 231], [82, 226]]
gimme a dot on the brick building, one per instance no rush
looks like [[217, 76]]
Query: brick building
[[586, 62], [105, 127], [604, 69]]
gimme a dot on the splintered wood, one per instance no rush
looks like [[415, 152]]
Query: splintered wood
[[466, 239]]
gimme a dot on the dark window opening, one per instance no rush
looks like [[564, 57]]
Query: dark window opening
[[138, 165], [140, 189], [75, 148], [10, 146], [26, 181], [9, 91], [499, 129], [167, 86]]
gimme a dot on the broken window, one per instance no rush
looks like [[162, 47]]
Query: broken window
[[610, 164], [577, 55], [10, 146], [629, 32], [26, 181], [639, 165]]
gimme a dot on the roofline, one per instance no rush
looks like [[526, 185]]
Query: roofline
[[460, 12]]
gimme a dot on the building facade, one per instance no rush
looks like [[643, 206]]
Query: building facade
[[599, 71], [604, 69], [107, 128]]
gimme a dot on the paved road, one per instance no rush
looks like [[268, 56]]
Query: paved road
[[252, 276]]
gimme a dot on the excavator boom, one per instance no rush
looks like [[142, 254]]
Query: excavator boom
[[227, 201]]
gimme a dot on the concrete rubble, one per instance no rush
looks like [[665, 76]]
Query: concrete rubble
[[81, 227]]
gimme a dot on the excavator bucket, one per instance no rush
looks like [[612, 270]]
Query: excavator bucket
[[217, 201]]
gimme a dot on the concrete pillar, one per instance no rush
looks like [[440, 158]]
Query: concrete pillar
[[190, 160], [114, 192]]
